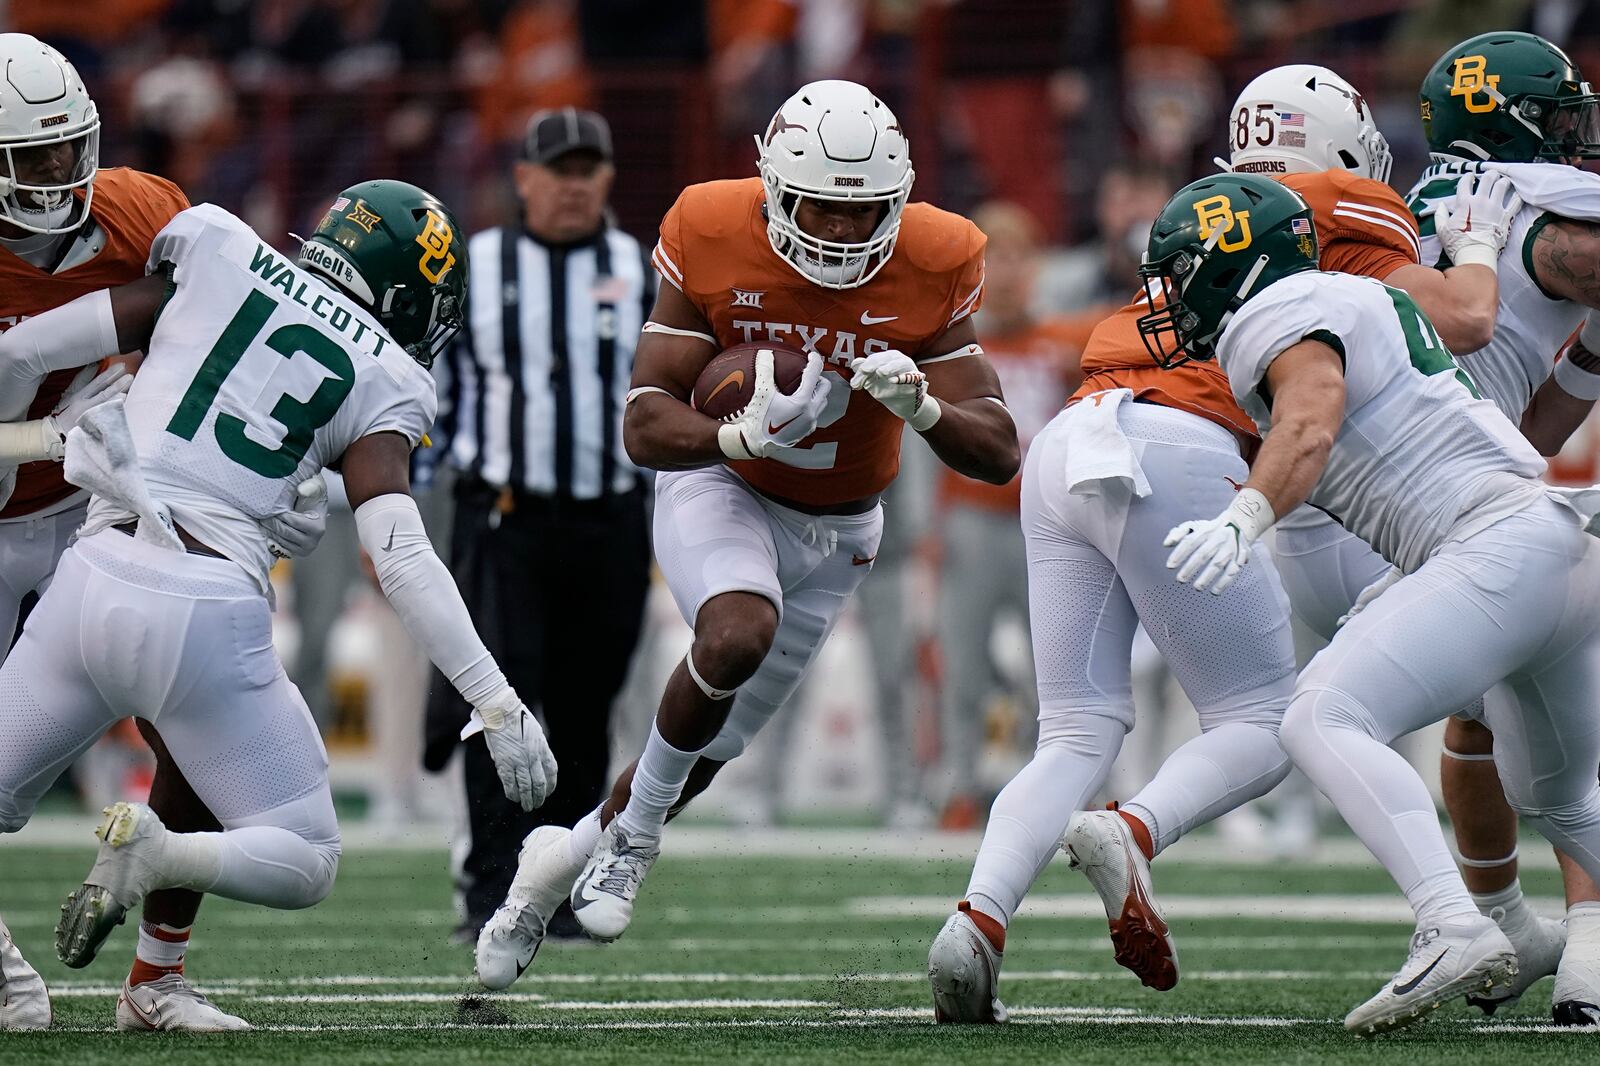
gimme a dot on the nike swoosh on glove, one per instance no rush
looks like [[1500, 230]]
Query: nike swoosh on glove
[[517, 744], [892, 378], [1210, 553], [296, 533], [1473, 225]]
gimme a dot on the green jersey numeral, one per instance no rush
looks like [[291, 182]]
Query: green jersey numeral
[[1428, 353], [301, 418]]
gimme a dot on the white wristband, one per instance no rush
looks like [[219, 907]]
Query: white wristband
[[926, 415], [731, 439], [28, 442], [1589, 333], [1477, 255], [1251, 512], [1577, 382]]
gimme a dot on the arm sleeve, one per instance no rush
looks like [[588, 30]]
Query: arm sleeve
[[424, 595], [72, 335]]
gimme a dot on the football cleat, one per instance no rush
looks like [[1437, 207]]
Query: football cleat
[[172, 1004], [1539, 943], [511, 938], [124, 872], [604, 893], [1576, 1000], [1100, 844], [1446, 961], [24, 1001], [964, 971]]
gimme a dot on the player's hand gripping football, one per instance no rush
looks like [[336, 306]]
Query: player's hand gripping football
[[112, 381], [521, 755], [892, 378], [776, 419], [295, 534], [1474, 223], [1211, 553]]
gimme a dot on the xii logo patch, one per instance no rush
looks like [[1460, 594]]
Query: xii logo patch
[[1471, 78], [363, 216], [1217, 216], [747, 298]]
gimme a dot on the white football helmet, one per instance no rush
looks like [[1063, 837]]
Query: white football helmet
[[1301, 118], [834, 140], [44, 102]]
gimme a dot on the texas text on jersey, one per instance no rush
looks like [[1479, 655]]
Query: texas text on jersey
[[714, 247], [1363, 227], [129, 208]]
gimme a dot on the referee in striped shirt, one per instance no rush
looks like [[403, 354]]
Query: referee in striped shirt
[[548, 542]]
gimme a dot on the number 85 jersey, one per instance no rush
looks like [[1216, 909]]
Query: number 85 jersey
[[258, 375]]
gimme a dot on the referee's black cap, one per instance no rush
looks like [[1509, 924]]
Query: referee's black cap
[[555, 132]]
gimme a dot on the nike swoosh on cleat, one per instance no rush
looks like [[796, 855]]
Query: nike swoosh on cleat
[[1409, 986], [856, 560]]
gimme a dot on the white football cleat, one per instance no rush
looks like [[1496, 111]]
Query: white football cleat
[[1576, 1000], [24, 1001], [964, 971], [511, 938], [124, 872], [1539, 943], [1446, 961], [172, 1004], [1100, 844], [603, 896]]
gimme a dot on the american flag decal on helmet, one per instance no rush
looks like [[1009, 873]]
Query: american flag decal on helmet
[[1300, 225]]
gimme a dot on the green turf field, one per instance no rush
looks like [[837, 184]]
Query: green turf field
[[775, 960]]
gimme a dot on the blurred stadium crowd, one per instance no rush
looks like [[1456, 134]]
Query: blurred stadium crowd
[[1060, 125]]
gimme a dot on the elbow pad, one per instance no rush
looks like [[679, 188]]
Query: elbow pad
[[424, 595]]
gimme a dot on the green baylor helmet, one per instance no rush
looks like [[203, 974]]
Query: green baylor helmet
[[1218, 241], [396, 249], [1512, 98]]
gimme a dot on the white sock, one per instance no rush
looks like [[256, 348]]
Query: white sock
[[1031, 813], [1510, 899], [1583, 922], [658, 781], [585, 835], [1384, 801], [162, 946], [1207, 777]]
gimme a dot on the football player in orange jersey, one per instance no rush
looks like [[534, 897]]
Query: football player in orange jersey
[[1102, 488], [765, 525], [68, 228]]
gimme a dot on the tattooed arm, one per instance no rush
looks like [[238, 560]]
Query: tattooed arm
[[1566, 264], [1566, 260]]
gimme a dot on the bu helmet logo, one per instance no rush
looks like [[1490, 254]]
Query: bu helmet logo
[[1217, 216], [1471, 78], [437, 258]]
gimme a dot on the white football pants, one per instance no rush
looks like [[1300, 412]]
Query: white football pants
[[1096, 569], [185, 642], [29, 551], [1520, 601]]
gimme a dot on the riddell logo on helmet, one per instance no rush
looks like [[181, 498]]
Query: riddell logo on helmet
[[1264, 166], [54, 120], [853, 183]]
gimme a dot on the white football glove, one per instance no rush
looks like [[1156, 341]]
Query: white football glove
[[1370, 593], [892, 378], [773, 418], [521, 755], [296, 533], [1474, 223], [112, 381], [1211, 552]]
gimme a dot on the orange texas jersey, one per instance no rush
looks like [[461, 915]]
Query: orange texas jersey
[[131, 207], [1363, 227], [1038, 368], [714, 248]]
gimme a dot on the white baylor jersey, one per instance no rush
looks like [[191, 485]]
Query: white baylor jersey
[[1419, 459], [259, 374], [1530, 326]]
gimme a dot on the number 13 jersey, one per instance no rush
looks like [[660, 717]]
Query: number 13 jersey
[[258, 375]]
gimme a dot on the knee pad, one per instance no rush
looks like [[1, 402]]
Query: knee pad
[[326, 870], [1263, 708], [1314, 710], [1071, 726]]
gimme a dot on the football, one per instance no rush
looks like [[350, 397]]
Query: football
[[728, 382]]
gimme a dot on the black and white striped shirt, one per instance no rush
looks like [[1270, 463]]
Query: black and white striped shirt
[[534, 386]]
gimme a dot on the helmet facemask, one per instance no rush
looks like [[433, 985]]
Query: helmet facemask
[[1175, 333], [832, 264], [50, 207]]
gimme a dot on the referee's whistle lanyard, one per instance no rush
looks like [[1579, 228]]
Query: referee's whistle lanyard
[[504, 504]]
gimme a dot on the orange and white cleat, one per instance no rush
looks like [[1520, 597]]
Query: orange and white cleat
[[1100, 844]]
